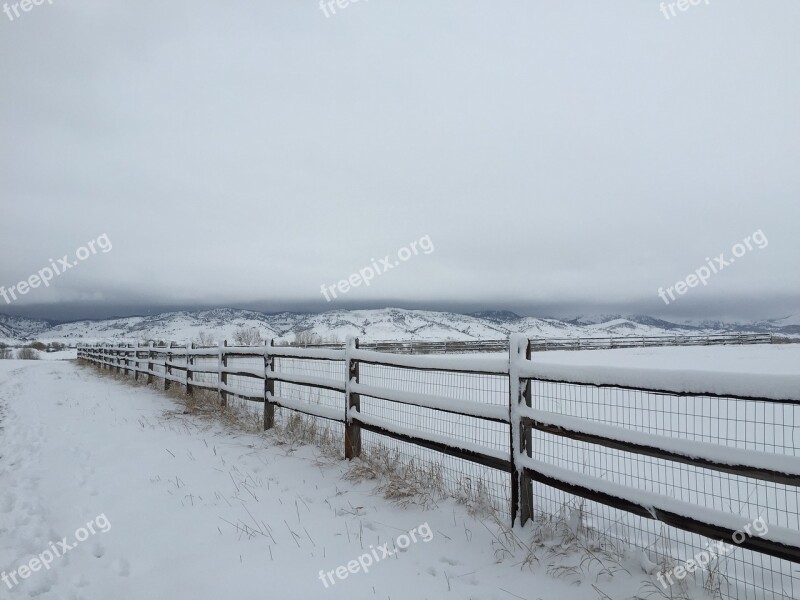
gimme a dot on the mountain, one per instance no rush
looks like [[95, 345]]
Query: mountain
[[788, 325], [380, 324], [498, 316], [16, 328]]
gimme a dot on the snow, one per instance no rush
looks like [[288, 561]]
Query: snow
[[764, 359], [323, 382], [199, 512], [379, 324], [763, 371], [725, 455], [652, 501], [320, 410], [429, 436], [486, 363], [464, 407]]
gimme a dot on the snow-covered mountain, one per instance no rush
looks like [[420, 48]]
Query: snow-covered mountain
[[380, 324], [17, 328]]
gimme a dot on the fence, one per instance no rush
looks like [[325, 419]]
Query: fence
[[721, 339], [664, 469], [538, 344]]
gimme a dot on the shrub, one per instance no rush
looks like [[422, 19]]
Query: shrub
[[205, 339], [309, 338], [247, 336], [28, 353]]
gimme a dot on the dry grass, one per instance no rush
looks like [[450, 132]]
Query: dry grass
[[302, 430], [401, 481], [570, 548], [201, 402]]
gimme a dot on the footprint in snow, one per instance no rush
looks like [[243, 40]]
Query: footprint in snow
[[122, 567]]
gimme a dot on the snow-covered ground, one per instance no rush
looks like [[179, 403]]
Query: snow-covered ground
[[197, 511], [762, 359]]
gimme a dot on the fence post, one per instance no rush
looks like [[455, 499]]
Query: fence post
[[352, 432], [189, 363], [519, 391], [223, 377], [150, 363], [167, 368], [269, 385]]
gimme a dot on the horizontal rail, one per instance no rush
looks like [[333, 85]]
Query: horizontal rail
[[313, 410], [603, 343], [756, 387], [467, 408], [235, 391], [784, 469], [465, 450], [474, 365], [317, 382], [242, 372]]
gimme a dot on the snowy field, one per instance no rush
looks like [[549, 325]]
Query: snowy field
[[199, 512], [775, 359]]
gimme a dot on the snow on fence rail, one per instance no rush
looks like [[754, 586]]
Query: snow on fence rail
[[632, 341], [581, 343], [475, 420]]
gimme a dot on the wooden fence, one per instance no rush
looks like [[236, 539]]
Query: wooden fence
[[541, 344], [518, 415]]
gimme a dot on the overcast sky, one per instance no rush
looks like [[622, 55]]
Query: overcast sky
[[561, 156]]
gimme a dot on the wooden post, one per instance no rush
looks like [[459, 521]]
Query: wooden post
[[352, 432], [127, 353], [269, 386], [189, 363], [150, 363], [519, 389], [526, 484], [167, 368], [223, 377]]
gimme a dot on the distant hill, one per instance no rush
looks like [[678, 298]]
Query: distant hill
[[379, 324]]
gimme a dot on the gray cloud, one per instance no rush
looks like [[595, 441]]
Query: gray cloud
[[558, 154]]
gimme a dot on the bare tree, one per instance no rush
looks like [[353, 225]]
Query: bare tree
[[310, 338], [247, 336], [205, 339], [28, 353]]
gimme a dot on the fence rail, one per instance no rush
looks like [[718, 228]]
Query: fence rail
[[539, 344], [510, 415]]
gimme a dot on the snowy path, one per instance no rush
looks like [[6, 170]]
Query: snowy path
[[196, 512]]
